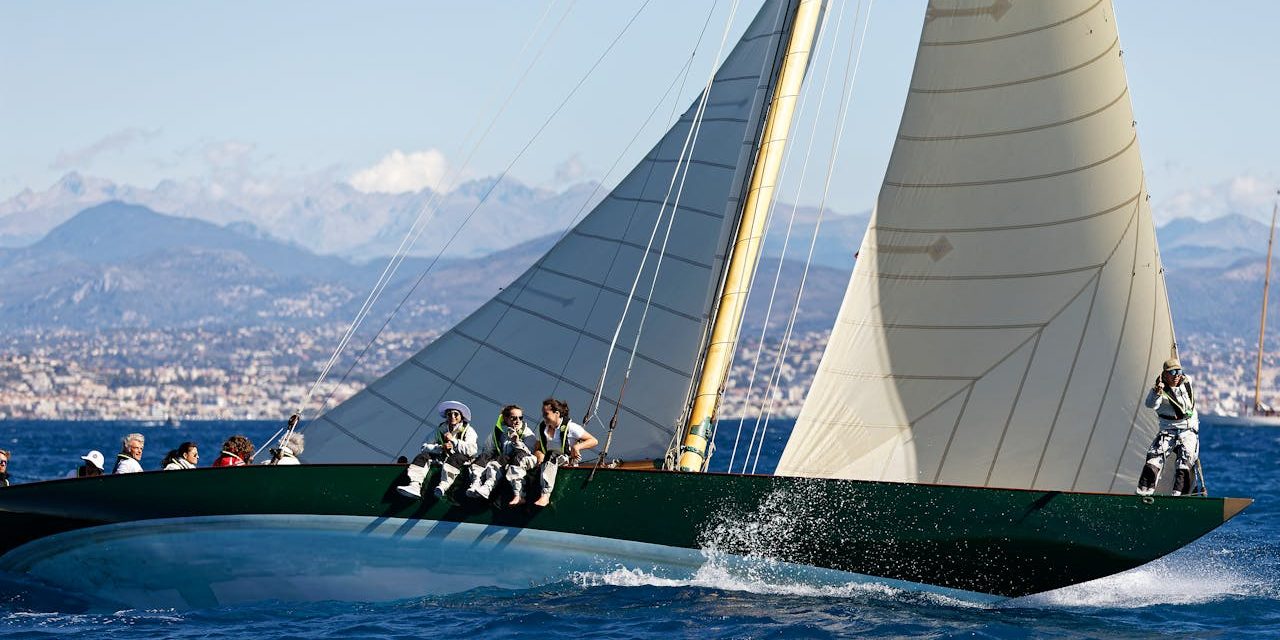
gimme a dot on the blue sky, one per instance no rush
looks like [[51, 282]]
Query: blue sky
[[139, 92]]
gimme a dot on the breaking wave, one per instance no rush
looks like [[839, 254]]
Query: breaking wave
[[1189, 577]]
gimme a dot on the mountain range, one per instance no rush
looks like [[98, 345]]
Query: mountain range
[[334, 218], [125, 265]]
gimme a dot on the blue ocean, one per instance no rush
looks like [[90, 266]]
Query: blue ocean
[[1227, 585]]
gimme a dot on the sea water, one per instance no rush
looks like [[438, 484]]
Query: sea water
[[1226, 585]]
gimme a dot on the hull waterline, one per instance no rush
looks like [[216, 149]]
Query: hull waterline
[[341, 532]]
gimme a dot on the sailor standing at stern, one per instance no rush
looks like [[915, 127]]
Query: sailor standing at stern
[[454, 449], [1174, 402]]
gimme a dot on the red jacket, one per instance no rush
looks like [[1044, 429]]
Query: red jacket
[[228, 459]]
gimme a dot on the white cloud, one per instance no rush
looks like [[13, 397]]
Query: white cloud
[[229, 153], [400, 172], [1249, 195], [571, 170], [118, 141]]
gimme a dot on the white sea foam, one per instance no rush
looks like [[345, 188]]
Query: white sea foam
[[1181, 579]]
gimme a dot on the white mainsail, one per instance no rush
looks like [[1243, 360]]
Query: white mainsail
[[1007, 312], [547, 333]]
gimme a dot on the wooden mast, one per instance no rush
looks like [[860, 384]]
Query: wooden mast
[[745, 250], [1262, 323]]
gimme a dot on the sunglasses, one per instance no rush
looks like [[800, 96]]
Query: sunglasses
[[1174, 372], [515, 418]]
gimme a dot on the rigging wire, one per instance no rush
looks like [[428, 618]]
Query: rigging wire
[[850, 81], [695, 129], [429, 208], [786, 241], [484, 197], [686, 153]]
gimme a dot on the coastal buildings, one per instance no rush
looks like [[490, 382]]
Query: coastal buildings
[[264, 373]]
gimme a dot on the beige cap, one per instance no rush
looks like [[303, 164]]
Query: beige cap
[[1172, 363]]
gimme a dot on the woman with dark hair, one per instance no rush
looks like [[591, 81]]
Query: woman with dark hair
[[184, 457], [561, 442], [237, 451]]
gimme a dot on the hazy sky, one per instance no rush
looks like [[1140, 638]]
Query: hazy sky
[[383, 94]]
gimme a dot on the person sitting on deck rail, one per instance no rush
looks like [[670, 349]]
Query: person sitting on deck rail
[[184, 457], [1174, 402], [129, 460], [453, 449], [511, 446], [291, 444], [561, 441], [237, 451]]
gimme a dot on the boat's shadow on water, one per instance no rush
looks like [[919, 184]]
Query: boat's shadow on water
[[1188, 593]]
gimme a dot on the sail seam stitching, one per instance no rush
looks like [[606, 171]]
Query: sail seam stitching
[[943, 327], [998, 276], [944, 43], [636, 245], [1008, 132], [1071, 372], [1124, 323], [683, 207], [955, 427], [1012, 83], [1013, 407], [353, 436], [983, 183], [1014, 227], [867, 375], [571, 383], [1036, 336], [1084, 331], [570, 327], [1151, 346], [659, 305]]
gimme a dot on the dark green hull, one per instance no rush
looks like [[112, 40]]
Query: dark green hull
[[992, 541]]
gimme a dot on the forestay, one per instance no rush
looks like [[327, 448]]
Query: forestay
[[546, 334], [1007, 311]]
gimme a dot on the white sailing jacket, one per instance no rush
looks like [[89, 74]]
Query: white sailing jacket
[[465, 440], [1175, 407]]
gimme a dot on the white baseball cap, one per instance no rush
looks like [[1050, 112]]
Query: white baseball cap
[[95, 458]]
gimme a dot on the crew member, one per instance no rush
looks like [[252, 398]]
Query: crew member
[[1173, 400], [237, 451], [184, 457], [510, 447], [4, 468], [129, 460], [291, 444], [94, 464], [454, 448], [561, 441]]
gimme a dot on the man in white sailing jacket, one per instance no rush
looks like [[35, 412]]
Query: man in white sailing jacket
[[561, 441], [1173, 400], [129, 460], [453, 449], [508, 454]]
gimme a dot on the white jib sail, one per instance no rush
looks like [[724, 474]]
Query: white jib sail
[[546, 334], [1007, 312]]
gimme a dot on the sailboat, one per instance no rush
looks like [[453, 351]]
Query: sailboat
[[974, 428], [1259, 415]]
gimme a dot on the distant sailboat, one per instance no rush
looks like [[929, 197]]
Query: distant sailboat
[[1259, 415], [975, 425]]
